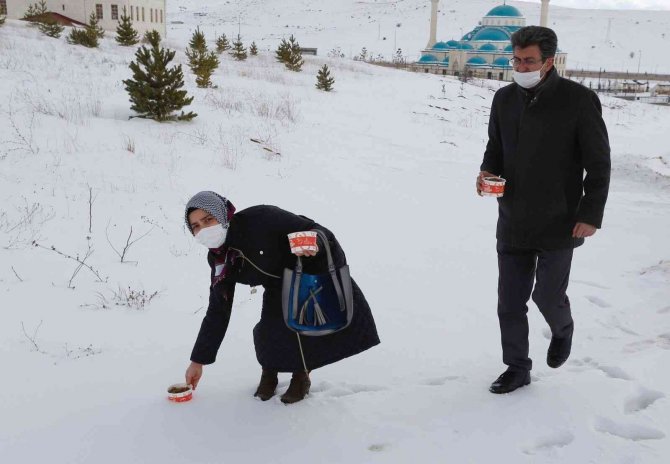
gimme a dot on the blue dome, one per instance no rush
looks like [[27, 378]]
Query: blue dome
[[492, 33], [501, 62], [441, 46], [488, 47], [445, 61], [509, 48], [506, 11], [428, 59], [477, 61], [453, 43], [465, 46]]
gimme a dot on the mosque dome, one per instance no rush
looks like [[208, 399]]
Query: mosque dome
[[488, 47], [477, 61], [441, 46], [509, 48], [507, 11], [465, 46], [492, 33], [428, 59], [453, 43], [501, 62], [445, 62]]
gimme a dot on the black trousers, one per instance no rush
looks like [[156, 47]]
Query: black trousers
[[519, 269]]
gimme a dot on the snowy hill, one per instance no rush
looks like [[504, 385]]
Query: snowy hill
[[591, 40], [86, 356]]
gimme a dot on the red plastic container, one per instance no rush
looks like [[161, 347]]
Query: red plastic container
[[180, 392], [493, 186]]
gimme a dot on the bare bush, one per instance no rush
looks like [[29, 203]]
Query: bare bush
[[129, 242], [26, 226], [134, 299]]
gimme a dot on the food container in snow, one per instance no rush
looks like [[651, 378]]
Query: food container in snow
[[493, 186], [180, 392], [302, 241]]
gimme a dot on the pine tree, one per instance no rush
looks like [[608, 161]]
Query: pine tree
[[239, 51], [83, 37], [364, 54], [126, 35], [222, 44], [253, 50], [36, 12], [51, 28], [93, 27], [202, 62], [323, 79], [155, 89], [152, 37], [294, 60], [283, 51]]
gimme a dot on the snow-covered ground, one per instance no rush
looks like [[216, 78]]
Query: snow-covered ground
[[593, 39], [388, 162]]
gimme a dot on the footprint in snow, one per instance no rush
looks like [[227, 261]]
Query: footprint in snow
[[613, 372], [598, 301], [632, 432], [377, 447], [437, 381], [641, 400], [662, 341], [590, 284], [343, 389], [550, 442], [665, 310]]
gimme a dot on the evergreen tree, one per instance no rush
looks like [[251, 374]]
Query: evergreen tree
[[126, 35], [283, 51], [294, 60], [398, 58], [222, 44], [364, 54], [83, 37], [50, 27], [239, 51], [152, 37], [93, 27], [323, 79], [253, 49], [155, 89], [202, 62], [2, 19], [36, 12]]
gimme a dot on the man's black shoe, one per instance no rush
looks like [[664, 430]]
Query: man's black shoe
[[559, 349], [509, 381]]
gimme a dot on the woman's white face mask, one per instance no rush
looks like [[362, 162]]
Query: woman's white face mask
[[530, 79], [212, 237]]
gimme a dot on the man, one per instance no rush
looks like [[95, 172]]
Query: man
[[544, 133]]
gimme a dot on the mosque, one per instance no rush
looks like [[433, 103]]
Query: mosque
[[483, 52]]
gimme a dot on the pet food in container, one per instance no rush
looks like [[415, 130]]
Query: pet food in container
[[180, 392], [303, 241], [493, 186]]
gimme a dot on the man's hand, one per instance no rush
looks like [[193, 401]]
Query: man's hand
[[193, 374], [306, 253], [480, 177], [583, 230]]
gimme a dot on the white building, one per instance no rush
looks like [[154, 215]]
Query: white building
[[483, 52], [146, 14]]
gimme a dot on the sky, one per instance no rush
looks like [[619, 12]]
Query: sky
[[612, 4]]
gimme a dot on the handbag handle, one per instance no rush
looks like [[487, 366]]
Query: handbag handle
[[331, 268]]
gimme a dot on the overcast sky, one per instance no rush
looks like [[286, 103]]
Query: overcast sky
[[611, 4]]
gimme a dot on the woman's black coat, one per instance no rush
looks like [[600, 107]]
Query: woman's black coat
[[260, 234]]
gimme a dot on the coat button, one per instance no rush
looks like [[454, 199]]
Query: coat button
[[261, 252]]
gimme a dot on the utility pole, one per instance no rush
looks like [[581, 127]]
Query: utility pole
[[639, 59]]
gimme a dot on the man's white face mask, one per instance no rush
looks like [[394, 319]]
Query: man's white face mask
[[530, 79], [212, 237]]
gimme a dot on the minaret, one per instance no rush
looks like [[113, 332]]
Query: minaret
[[433, 23], [544, 13]]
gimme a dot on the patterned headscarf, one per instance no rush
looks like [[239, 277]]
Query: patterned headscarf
[[214, 204], [223, 211]]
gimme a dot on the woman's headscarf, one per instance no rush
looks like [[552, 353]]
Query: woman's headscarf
[[216, 205]]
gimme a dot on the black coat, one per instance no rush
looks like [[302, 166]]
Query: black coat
[[260, 234], [542, 141]]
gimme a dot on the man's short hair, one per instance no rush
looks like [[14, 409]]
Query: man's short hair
[[543, 37]]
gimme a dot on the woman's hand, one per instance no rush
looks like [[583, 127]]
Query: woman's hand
[[306, 253], [193, 374]]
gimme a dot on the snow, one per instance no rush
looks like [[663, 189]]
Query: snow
[[388, 162]]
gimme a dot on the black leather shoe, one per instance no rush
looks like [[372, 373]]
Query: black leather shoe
[[559, 350], [509, 381]]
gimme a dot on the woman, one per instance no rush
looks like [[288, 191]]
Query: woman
[[251, 247]]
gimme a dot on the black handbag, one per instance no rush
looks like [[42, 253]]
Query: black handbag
[[317, 304]]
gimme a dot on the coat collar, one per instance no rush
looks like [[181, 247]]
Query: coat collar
[[546, 87]]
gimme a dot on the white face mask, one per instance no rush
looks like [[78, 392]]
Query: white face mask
[[528, 80], [212, 237]]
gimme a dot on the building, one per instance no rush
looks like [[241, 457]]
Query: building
[[146, 14], [483, 52]]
